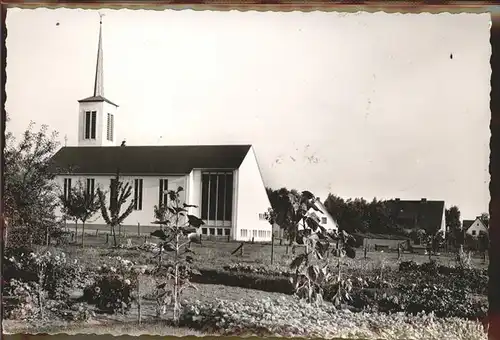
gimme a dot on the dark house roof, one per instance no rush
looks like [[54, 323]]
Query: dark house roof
[[418, 214], [94, 99], [467, 223], [146, 159]]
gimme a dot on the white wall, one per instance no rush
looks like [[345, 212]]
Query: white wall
[[443, 223], [251, 201], [149, 199], [194, 192], [102, 109], [477, 226]]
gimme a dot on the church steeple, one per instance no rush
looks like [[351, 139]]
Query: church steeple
[[99, 75], [96, 123]]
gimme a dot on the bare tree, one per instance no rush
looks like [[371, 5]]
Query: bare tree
[[119, 194]]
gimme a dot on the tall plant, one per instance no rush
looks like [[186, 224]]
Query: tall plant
[[119, 194], [177, 233], [312, 270]]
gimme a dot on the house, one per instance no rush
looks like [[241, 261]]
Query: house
[[322, 215], [325, 219], [419, 214], [474, 227], [223, 181]]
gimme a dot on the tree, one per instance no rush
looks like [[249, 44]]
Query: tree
[[70, 207], [485, 218], [30, 196], [86, 204], [453, 225], [179, 230], [119, 194]]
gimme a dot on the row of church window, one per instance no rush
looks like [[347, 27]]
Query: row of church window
[[216, 204], [255, 233], [91, 125]]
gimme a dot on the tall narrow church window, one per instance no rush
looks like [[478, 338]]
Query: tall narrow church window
[[67, 188], [90, 186], [90, 124], [109, 134], [163, 192], [138, 194]]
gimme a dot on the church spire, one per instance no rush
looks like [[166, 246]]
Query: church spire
[[99, 76]]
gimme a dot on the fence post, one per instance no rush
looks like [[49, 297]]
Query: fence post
[[228, 238], [399, 252], [138, 229], [286, 249], [145, 238], [97, 232], [281, 241], [365, 250], [253, 239], [107, 238], [241, 249], [272, 247]]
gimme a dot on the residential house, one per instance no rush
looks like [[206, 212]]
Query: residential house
[[419, 214], [223, 181], [474, 227]]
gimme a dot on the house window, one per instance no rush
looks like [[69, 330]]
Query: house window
[[244, 233], [254, 233], [90, 186], [67, 188], [212, 231], [268, 233], [217, 196], [163, 192], [204, 231], [262, 216], [219, 231], [138, 194], [110, 125], [227, 232], [473, 233], [90, 124], [323, 220]]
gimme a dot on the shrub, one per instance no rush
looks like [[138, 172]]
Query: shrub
[[113, 287], [57, 273]]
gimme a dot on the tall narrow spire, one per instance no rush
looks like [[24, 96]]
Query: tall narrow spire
[[99, 76]]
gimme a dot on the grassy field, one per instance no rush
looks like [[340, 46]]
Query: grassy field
[[214, 254]]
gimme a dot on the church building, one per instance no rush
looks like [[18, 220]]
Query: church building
[[223, 181]]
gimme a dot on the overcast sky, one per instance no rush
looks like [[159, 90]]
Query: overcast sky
[[354, 104]]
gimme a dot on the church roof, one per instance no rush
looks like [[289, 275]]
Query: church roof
[[147, 160], [96, 99]]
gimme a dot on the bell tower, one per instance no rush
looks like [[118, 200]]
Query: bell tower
[[96, 114]]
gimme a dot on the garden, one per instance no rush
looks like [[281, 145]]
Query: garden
[[174, 283]]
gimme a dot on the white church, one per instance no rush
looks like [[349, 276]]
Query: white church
[[224, 181]]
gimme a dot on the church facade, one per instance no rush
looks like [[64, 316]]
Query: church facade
[[223, 181]]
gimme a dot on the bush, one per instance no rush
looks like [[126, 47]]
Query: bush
[[57, 273], [264, 282], [113, 287]]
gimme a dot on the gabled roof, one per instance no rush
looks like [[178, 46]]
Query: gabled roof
[[421, 214], [96, 99], [147, 159], [466, 224]]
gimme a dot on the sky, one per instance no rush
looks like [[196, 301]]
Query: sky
[[359, 105]]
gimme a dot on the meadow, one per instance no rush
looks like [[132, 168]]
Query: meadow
[[96, 289]]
